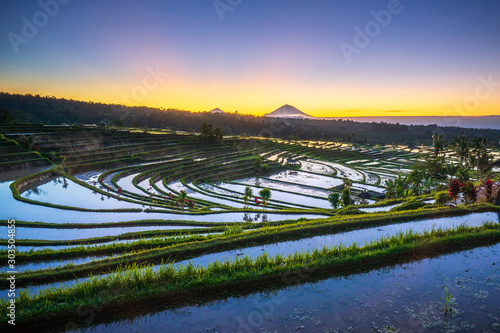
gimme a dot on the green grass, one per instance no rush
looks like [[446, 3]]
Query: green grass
[[263, 234], [140, 284]]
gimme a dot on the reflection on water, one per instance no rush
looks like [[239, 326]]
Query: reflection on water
[[405, 298], [84, 233], [308, 179], [347, 238], [61, 191], [22, 211]]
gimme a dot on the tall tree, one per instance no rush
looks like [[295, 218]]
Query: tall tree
[[438, 144], [461, 147]]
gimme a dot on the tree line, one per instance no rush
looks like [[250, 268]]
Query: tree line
[[51, 110]]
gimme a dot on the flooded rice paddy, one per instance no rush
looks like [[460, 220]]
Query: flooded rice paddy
[[405, 298]]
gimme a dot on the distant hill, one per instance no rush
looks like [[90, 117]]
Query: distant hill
[[292, 124], [481, 122], [216, 111], [288, 111]]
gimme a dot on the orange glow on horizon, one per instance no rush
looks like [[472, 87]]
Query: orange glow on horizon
[[257, 97]]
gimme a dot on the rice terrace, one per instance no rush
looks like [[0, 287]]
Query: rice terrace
[[231, 166], [126, 225]]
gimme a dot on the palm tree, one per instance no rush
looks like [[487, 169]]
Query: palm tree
[[481, 156], [452, 169], [461, 147], [400, 191], [401, 186], [416, 188], [463, 174], [401, 182], [438, 144], [428, 184], [391, 188]]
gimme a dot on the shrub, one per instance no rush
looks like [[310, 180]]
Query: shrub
[[346, 197], [454, 190], [489, 190], [442, 198], [470, 192], [334, 199], [265, 194], [233, 230]]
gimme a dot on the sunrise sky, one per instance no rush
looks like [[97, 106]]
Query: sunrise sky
[[254, 56]]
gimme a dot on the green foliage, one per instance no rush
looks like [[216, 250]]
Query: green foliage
[[26, 142], [452, 169], [463, 174], [135, 282], [210, 135], [434, 166], [334, 199], [118, 122], [442, 198], [461, 147], [438, 144], [448, 304], [248, 195], [347, 182], [5, 116], [265, 194], [416, 175], [181, 198], [257, 162], [390, 189], [233, 230], [39, 109], [470, 192], [346, 197], [259, 166], [428, 184]]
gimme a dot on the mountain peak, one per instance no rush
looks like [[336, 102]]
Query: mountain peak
[[216, 111], [288, 111]]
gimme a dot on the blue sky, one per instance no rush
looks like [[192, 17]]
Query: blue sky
[[262, 55]]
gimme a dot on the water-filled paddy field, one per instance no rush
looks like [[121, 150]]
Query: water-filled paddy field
[[401, 298], [183, 203]]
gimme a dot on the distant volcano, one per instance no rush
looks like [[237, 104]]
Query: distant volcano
[[216, 111], [288, 111]]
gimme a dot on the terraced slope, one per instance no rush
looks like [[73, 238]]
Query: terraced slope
[[132, 207]]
